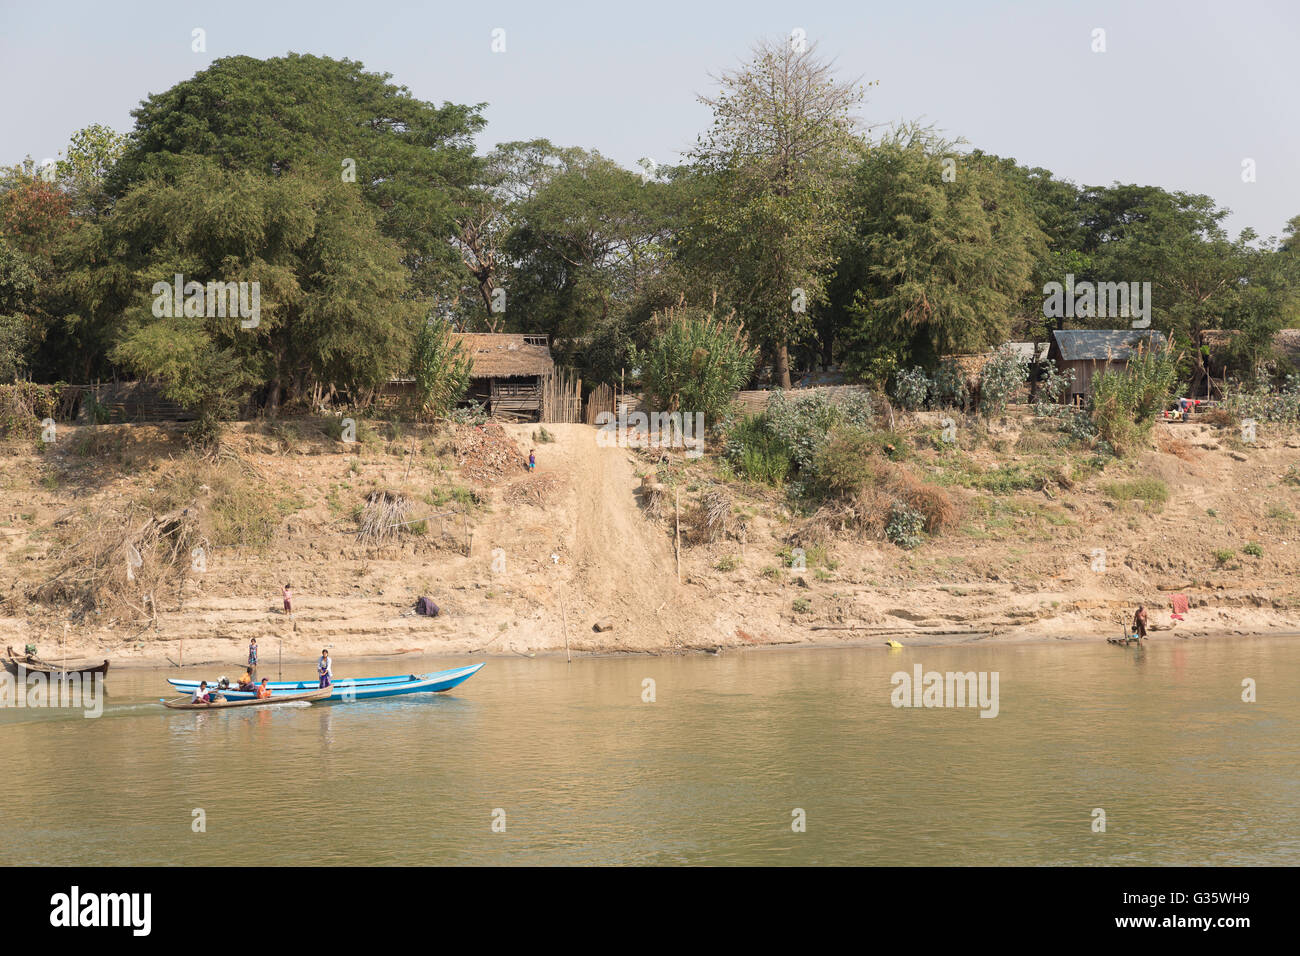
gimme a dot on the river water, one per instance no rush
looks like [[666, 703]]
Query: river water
[[765, 757]]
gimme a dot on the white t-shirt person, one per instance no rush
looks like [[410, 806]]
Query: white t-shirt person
[[200, 693]]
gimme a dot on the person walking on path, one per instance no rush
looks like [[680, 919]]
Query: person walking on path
[[532, 459]]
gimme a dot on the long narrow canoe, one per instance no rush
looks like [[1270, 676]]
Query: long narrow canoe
[[275, 685], [34, 665], [365, 688], [188, 702]]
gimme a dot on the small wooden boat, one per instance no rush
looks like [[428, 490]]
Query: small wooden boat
[[362, 688], [188, 702], [1124, 641], [34, 665]]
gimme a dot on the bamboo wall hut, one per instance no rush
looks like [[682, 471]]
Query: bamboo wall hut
[[508, 372]]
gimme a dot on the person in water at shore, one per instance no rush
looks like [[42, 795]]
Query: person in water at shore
[[288, 600], [325, 669], [201, 695], [1140, 622], [263, 691]]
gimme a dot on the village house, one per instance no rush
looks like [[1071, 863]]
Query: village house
[[508, 373], [1088, 352]]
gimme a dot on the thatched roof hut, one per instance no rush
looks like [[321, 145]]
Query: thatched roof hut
[[508, 371]]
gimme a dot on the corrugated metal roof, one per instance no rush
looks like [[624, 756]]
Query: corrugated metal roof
[[1105, 344]]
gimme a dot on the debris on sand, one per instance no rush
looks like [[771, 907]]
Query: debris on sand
[[536, 490], [486, 453]]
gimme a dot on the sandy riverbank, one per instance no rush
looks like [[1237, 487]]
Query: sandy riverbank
[[525, 563]]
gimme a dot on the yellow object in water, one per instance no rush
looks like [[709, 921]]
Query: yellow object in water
[[893, 643]]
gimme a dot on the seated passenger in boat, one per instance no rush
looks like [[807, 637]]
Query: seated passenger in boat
[[201, 695], [263, 691], [246, 682]]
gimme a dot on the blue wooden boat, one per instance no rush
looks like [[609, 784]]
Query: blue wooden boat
[[362, 688]]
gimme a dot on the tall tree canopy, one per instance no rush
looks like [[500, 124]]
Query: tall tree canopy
[[935, 263], [588, 241], [768, 212], [334, 303], [318, 117]]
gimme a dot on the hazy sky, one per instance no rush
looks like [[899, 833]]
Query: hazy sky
[[1184, 92]]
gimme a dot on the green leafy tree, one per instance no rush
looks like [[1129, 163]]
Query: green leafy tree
[[17, 285], [37, 225], [83, 173], [303, 115], [936, 264], [767, 209], [588, 246], [335, 303]]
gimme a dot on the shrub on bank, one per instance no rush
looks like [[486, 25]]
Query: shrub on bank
[[1124, 403], [904, 526]]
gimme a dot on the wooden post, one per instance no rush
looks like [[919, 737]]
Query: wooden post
[[280, 662], [565, 617], [677, 534]]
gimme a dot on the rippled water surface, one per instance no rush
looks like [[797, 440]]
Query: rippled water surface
[[582, 770]]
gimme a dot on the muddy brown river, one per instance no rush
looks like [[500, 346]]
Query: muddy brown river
[[1096, 755]]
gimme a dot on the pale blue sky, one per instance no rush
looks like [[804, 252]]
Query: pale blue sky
[[1184, 92]]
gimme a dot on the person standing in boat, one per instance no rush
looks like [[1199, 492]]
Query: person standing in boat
[[1140, 622], [325, 668]]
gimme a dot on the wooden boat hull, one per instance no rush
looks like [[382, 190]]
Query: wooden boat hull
[[366, 688], [15, 663], [188, 703]]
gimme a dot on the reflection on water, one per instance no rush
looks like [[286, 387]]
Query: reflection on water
[[584, 771]]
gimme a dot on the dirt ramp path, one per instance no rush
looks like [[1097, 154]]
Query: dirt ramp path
[[621, 567]]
